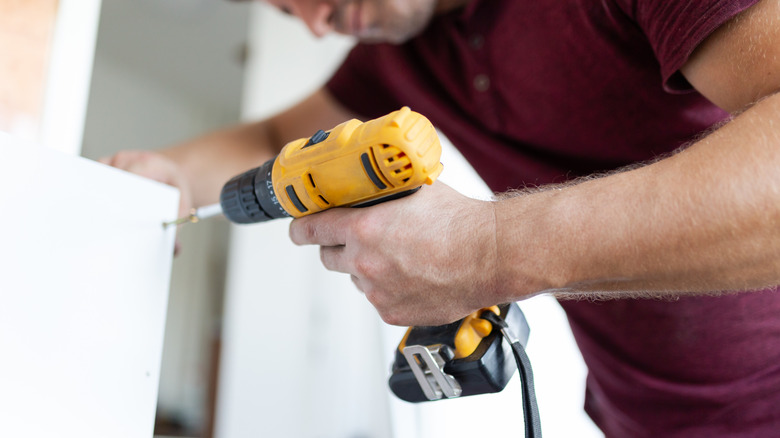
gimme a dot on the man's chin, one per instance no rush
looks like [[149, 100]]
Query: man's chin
[[377, 40], [386, 39]]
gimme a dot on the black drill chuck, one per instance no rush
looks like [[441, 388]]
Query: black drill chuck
[[249, 198]]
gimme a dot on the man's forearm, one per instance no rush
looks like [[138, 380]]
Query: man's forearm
[[209, 161], [705, 219]]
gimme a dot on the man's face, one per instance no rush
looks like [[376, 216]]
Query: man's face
[[392, 21]]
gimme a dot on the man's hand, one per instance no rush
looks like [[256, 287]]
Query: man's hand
[[426, 259], [156, 166]]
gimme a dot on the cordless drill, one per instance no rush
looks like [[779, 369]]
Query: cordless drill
[[353, 164], [360, 164]]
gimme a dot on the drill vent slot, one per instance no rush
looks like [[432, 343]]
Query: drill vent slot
[[397, 164], [406, 167], [314, 191]]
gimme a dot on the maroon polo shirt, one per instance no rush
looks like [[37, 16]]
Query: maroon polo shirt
[[540, 91]]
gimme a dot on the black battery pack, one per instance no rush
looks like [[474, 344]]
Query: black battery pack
[[436, 372]]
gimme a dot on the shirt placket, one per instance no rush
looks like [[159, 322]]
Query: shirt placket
[[479, 76]]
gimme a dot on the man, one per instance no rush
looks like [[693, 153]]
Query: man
[[535, 93]]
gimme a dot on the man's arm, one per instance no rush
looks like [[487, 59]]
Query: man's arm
[[706, 219], [200, 167], [740, 63]]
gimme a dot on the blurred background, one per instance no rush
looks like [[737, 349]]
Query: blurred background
[[165, 71], [260, 340]]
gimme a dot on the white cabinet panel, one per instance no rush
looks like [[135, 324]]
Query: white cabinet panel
[[84, 274]]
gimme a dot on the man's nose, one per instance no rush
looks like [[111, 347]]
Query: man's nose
[[318, 16]]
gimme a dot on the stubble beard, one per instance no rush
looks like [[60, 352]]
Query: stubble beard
[[397, 21]]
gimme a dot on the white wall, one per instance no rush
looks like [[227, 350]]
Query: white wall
[[305, 355], [166, 71], [286, 63], [302, 355]]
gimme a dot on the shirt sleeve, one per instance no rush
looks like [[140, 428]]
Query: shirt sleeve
[[675, 28]]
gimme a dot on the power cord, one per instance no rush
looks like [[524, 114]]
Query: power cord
[[533, 424]]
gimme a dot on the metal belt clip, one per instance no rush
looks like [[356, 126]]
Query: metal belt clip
[[427, 364]]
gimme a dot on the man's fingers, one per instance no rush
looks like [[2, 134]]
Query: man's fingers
[[328, 228], [144, 163], [154, 166], [127, 160]]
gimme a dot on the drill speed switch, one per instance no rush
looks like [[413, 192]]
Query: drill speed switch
[[353, 164]]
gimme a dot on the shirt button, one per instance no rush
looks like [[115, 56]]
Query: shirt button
[[481, 82], [476, 41]]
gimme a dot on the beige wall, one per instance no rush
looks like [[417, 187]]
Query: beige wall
[[26, 29]]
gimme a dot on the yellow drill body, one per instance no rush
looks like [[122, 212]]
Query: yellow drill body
[[358, 162], [352, 164]]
